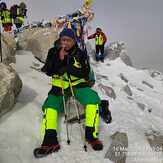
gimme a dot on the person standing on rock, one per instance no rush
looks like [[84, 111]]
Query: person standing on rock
[[19, 13], [6, 17], [68, 66], [100, 40]]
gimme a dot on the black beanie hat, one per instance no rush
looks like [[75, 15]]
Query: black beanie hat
[[68, 32]]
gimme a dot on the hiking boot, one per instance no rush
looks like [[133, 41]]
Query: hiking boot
[[43, 151], [95, 143], [50, 144], [102, 60]]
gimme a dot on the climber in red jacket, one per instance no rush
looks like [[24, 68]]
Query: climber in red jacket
[[100, 40]]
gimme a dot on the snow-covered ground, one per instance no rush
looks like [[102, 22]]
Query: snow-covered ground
[[20, 128]]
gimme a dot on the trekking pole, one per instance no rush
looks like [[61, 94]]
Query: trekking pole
[[78, 116], [65, 113]]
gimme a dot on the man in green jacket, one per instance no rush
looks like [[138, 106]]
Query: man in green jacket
[[68, 66]]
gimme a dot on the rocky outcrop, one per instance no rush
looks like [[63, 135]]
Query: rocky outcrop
[[38, 41], [118, 149], [126, 59], [155, 139], [113, 51], [10, 83], [10, 86], [156, 142], [8, 49], [117, 49]]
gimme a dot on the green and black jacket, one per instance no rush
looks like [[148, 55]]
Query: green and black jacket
[[75, 67]]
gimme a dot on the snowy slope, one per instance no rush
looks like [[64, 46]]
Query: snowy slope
[[19, 129], [128, 117]]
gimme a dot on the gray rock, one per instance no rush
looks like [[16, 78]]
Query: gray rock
[[149, 85], [150, 110], [140, 89], [99, 77], [117, 49], [155, 74], [22, 45], [108, 91], [130, 98], [112, 55], [141, 106], [118, 148], [127, 90], [10, 86], [108, 64], [123, 78], [22, 38], [156, 142], [126, 59], [38, 41], [10, 83], [8, 49], [114, 50]]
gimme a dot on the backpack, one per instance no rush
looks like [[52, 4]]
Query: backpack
[[18, 11], [13, 11], [22, 11], [22, 5]]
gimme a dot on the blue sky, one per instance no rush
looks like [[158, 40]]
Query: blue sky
[[138, 23]]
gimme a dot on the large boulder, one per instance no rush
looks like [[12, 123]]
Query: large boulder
[[10, 83], [10, 86], [23, 37], [8, 49], [38, 41]]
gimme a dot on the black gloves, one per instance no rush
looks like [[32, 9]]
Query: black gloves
[[104, 111]]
